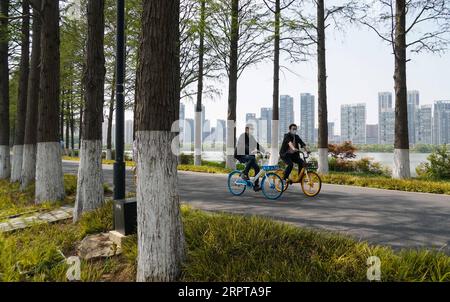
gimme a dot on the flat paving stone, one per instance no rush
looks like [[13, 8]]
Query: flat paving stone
[[19, 223]]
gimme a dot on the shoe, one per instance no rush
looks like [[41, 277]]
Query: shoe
[[245, 177], [257, 188]]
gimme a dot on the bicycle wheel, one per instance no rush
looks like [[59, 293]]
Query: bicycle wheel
[[269, 186], [311, 184], [236, 185], [281, 186]]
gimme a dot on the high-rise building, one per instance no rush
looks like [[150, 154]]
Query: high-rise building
[[206, 129], [129, 132], [330, 132], [266, 125], [424, 125], [386, 127], [441, 123], [386, 118], [182, 111], [250, 118], [220, 131], [307, 117], [286, 115], [188, 137], [372, 134], [413, 106], [353, 123]]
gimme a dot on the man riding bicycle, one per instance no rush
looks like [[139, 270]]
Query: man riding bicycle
[[290, 151], [244, 154]]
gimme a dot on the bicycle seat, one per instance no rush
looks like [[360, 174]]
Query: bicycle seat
[[270, 168]]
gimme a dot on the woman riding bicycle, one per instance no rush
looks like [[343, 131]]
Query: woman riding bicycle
[[290, 151]]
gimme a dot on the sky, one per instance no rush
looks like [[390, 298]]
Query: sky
[[359, 66]]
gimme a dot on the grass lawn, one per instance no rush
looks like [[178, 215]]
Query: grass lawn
[[220, 247]]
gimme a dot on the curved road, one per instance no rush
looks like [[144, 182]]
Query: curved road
[[398, 219]]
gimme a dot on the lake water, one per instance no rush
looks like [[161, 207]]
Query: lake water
[[386, 159]]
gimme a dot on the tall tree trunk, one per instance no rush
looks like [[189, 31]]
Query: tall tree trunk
[[5, 160], [16, 170], [67, 117], [401, 167], [232, 85], [110, 118], [198, 109], [80, 130], [322, 94], [61, 117], [90, 174], [72, 129], [29, 150], [276, 87], [49, 175], [160, 232]]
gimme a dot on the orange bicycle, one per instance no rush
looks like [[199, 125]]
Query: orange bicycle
[[309, 180]]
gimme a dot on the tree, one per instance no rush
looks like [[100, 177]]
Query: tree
[[5, 165], [49, 176], [421, 26], [90, 173], [315, 28], [286, 38], [199, 106], [22, 94], [238, 42], [28, 173], [160, 233]]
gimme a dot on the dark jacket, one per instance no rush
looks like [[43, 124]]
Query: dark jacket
[[246, 144], [296, 140]]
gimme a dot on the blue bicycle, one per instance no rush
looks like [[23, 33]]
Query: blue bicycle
[[270, 183]]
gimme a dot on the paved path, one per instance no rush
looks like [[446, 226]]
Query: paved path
[[19, 223], [398, 219]]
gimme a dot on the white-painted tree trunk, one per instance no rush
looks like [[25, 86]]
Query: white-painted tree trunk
[[28, 173], [160, 231], [323, 167], [274, 145], [90, 192], [5, 162], [401, 168], [49, 175], [17, 159], [230, 160], [198, 139], [109, 154]]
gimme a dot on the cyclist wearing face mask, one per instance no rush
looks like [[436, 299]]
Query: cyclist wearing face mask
[[290, 148]]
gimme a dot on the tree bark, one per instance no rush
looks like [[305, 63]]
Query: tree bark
[[110, 118], [276, 87], [22, 94], [232, 85], [29, 153], [49, 176], [90, 174], [160, 232], [322, 93], [5, 161], [198, 109], [401, 167]]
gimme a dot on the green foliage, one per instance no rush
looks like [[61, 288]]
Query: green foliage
[[381, 182], [438, 167], [365, 165]]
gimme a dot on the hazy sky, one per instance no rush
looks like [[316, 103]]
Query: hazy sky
[[359, 66]]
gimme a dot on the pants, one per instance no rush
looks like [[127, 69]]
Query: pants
[[250, 161], [290, 159]]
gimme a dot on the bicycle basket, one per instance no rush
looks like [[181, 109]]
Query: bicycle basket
[[312, 166]]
